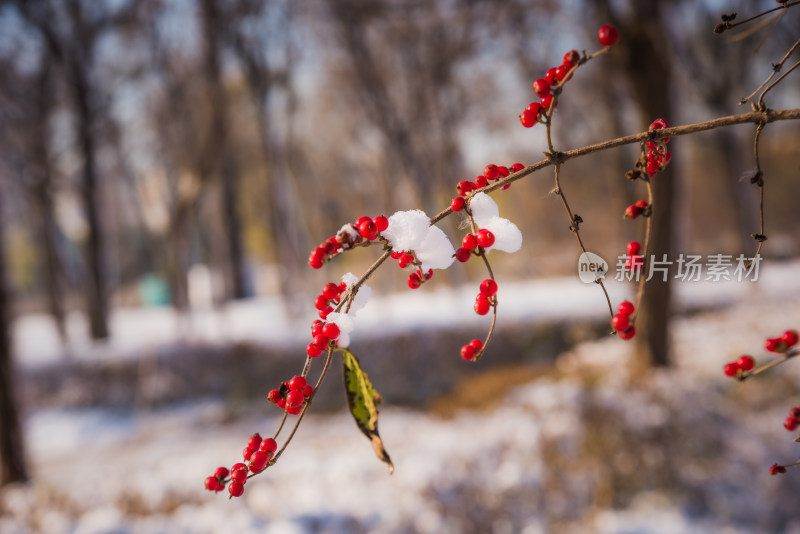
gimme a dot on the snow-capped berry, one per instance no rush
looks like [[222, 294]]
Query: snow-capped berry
[[488, 288], [607, 35]]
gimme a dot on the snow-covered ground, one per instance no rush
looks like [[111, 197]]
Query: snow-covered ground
[[579, 449]]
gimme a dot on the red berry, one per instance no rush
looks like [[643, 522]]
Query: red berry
[[503, 170], [258, 461], [550, 76], [482, 305], [658, 124], [633, 248], [467, 352], [571, 59], [457, 203], [547, 100], [607, 35], [631, 212], [236, 489], [330, 330], [561, 73], [239, 474], [294, 410], [320, 302], [625, 308], [464, 187], [491, 172], [620, 322], [628, 333], [414, 280], [321, 341], [481, 181], [731, 369], [795, 412], [476, 344], [790, 423], [368, 230], [527, 118], [211, 484], [313, 350], [268, 445], [330, 291], [308, 391], [297, 383], [488, 288], [746, 362], [790, 337], [541, 87], [295, 398], [516, 167], [485, 238], [254, 441], [775, 344], [469, 242], [462, 254], [381, 222], [776, 469], [641, 204], [274, 396], [221, 472]]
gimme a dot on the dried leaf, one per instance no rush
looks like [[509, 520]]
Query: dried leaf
[[363, 400]]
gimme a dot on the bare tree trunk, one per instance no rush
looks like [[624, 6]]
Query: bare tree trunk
[[647, 69], [224, 162], [95, 290], [12, 450], [43, 199]]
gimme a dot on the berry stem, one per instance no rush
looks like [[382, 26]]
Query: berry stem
[[769, 365], [775, 69]]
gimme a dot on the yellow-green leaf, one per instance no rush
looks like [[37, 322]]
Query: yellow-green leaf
[[363, 400]]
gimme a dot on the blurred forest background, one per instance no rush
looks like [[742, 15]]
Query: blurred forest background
[[181, 153], [186, 155]]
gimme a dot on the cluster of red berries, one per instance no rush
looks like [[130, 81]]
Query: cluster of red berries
[[657, 154], [621, 322], [736, 368], [491, 173], [634, 260], [793, 420], [640, 207], [471, 350], [782, 343], [482, 238], [258, 452], [548, 89], [365, 228], [329, 298], [291, 395], [776, 469], [487, 297], [549, 86], [322, 334], [404, 259]]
